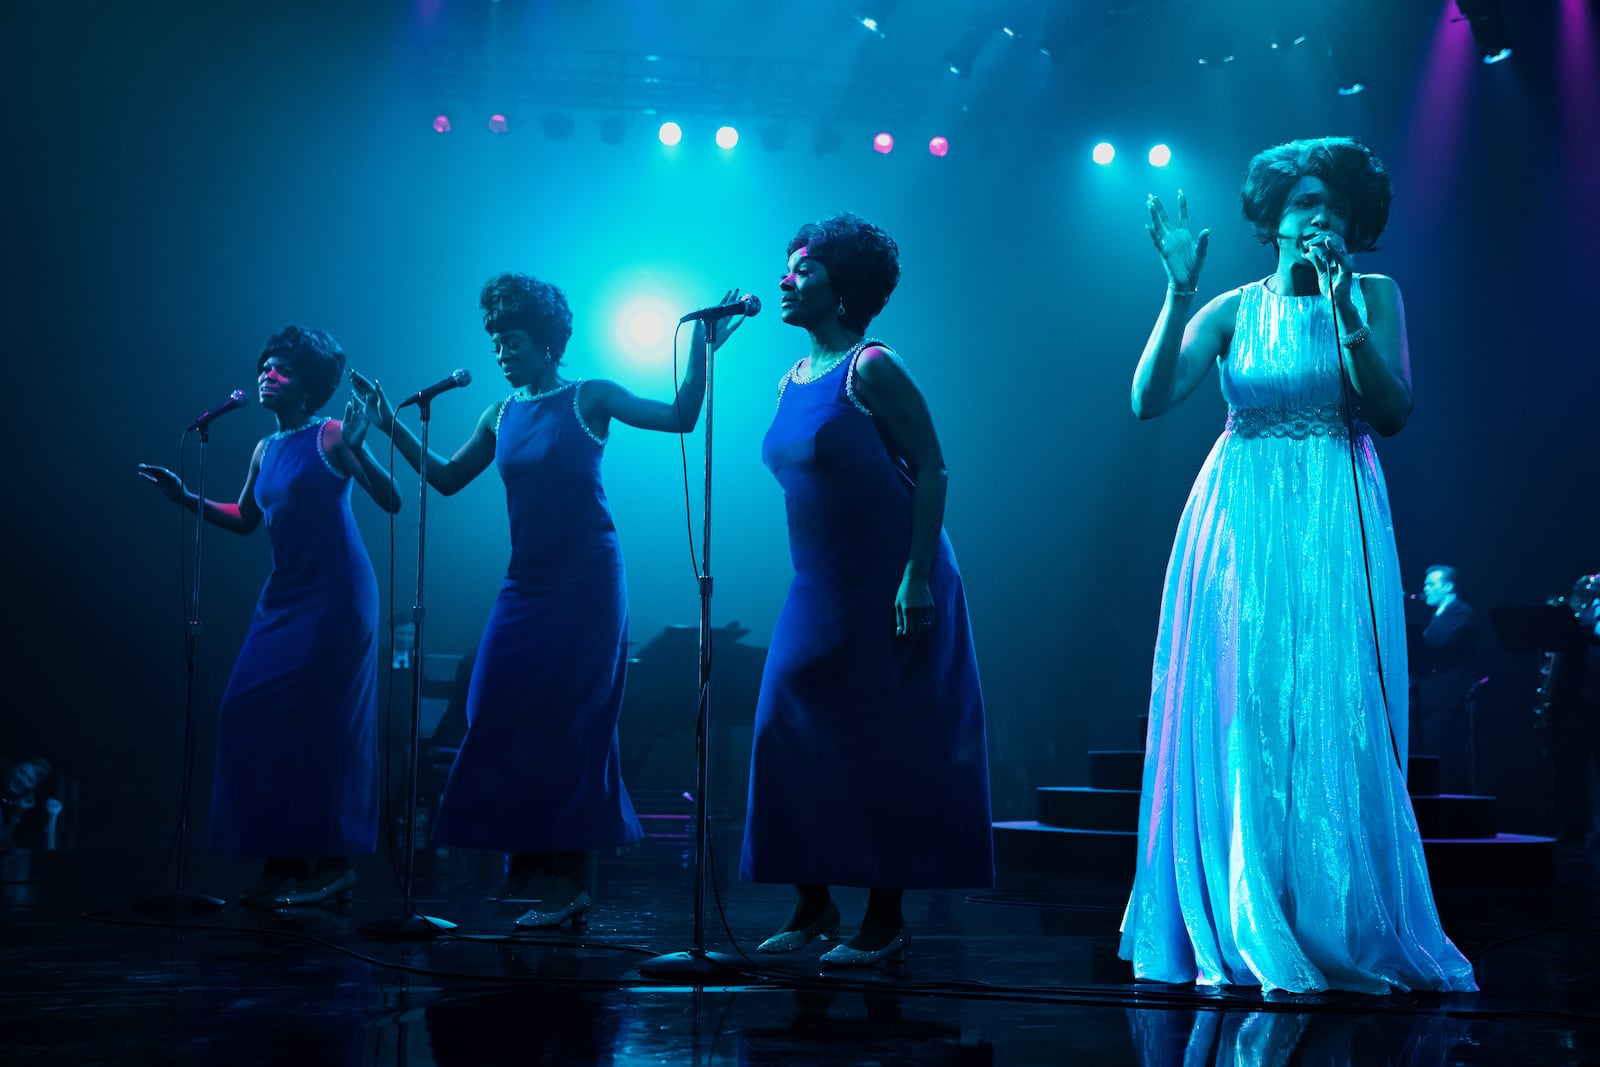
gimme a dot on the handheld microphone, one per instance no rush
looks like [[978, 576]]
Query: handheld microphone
[[748, 304], [422, 396], [237, 400]]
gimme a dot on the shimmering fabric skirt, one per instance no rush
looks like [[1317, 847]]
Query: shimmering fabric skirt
[[1277, 844]]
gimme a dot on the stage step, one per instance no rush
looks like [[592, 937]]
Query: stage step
[[1092, 831], [1037, 846], [1455, 816], [1112, 855], [1086, 808], [1116, 769]]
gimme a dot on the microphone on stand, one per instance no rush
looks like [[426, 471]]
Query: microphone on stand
[[748, 304], [237, 400], [422, 396]]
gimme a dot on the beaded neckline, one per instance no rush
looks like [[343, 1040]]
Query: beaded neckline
[[279, 435], [520, 395], [797, 378]]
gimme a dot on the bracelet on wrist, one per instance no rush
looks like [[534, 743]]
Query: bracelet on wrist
[[1357, 337], [1172, 287]]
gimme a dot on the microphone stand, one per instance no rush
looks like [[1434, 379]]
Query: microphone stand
[[696, 962], [180, 904], [409, 925]]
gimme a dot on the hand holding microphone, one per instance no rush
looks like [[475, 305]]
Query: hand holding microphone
[[733, 306], [1331, 260]]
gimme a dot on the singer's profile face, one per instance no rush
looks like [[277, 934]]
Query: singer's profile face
[[1311, 208], [276, 386], [1435, 588], [514, 351], [807, 294]]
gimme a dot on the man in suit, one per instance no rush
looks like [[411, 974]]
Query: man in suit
[[1443, 651]]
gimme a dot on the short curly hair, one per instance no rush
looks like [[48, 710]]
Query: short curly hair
[[316, 362], [513, 301], [863, 264], [1348, 167]]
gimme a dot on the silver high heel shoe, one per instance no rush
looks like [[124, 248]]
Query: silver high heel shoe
[[895, 951], [576, 910], [824, 927], [340, 889]]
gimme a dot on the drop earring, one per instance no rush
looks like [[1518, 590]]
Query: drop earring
[[840, 312]]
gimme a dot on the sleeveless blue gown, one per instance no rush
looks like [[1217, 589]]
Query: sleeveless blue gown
[[296, 734], [1278, 847], [869, 765], [540, 768]]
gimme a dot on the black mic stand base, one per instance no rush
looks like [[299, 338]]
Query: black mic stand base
[[180, 905], [406, 928], [695, 963]]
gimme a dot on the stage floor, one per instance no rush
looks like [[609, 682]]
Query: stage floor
[[1024, 974]]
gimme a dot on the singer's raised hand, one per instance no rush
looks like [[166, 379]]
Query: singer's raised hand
[[725, 327], [164, 480], [1182, 252], [374, 404], [353, 427]]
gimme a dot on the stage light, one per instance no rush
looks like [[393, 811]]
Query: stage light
[[871, 15], [641, 326], [1217, 39], [773, 137], [1349, 45], [1488, 28], [498, 124], [1104, 153], [826, 140], [670, 133], [883, 144], [441, 124], [645, 327], [557, 126], [939, 146], [965, 53], [613, 129], [727, 137], [1160, 155]]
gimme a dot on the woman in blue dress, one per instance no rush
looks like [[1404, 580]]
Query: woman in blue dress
[[296, 734], [869, 766], [1278, 847], [539, 771]]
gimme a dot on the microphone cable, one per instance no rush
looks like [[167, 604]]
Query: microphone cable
[[1361, 519]]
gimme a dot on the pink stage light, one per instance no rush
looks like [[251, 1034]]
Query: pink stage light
[[498, 124], [883, 144], [441, 124], [939, 146]]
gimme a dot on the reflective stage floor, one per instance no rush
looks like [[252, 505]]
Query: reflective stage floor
[[1024, 974]]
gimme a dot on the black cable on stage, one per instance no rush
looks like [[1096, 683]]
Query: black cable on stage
[[186, 760], [387, 733], [1355, 481]]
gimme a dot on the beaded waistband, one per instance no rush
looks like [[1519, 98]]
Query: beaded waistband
[[1298, 423]]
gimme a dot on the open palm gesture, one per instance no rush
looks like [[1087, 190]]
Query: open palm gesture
[[1182, 252]]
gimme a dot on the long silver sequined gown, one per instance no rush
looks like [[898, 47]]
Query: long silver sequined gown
[[1277, 845]]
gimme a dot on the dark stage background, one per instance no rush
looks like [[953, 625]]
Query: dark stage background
[[185, 179]]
